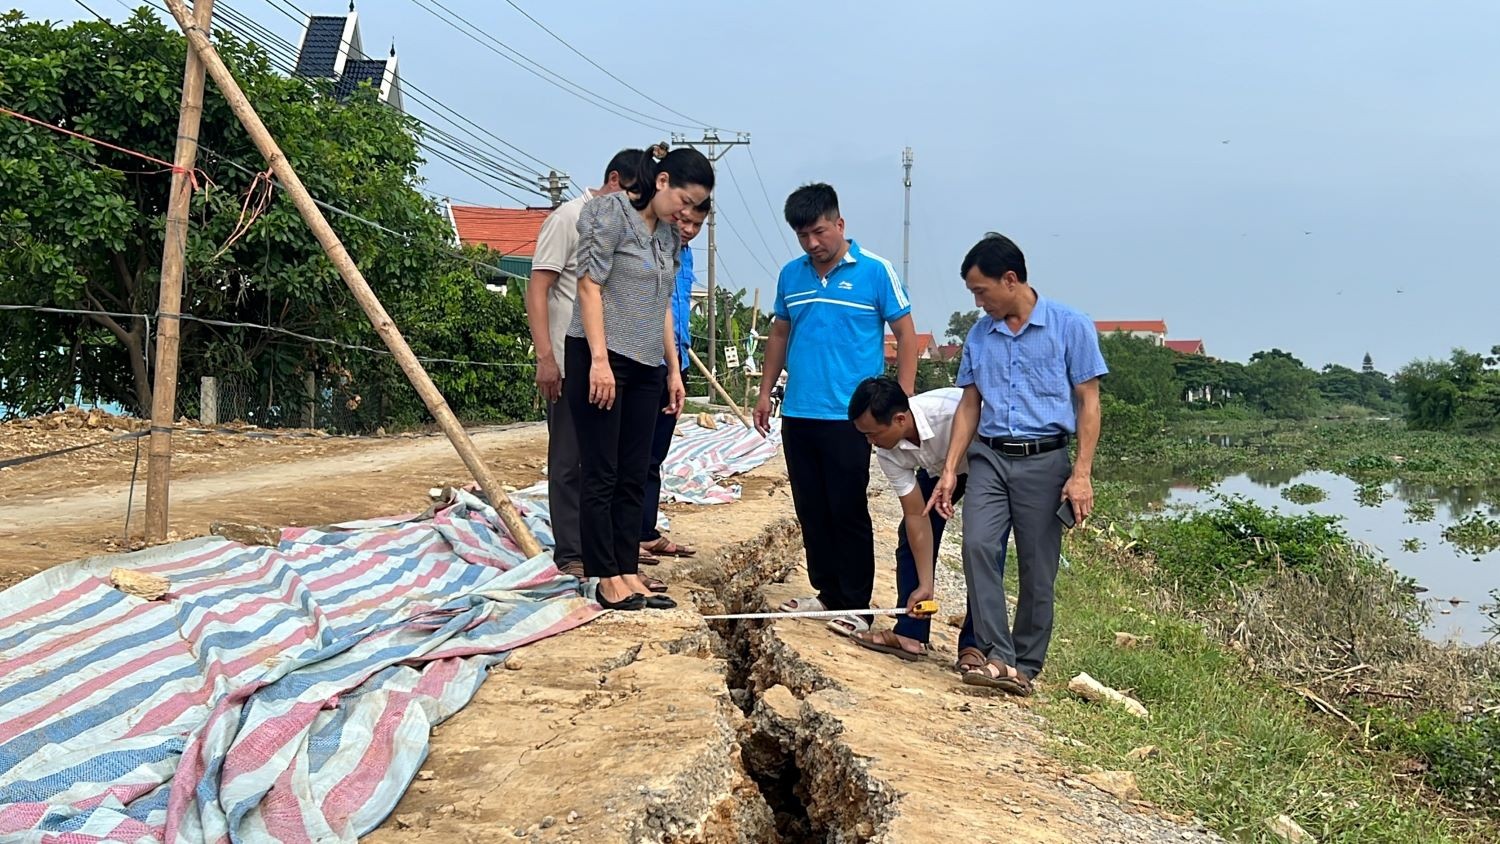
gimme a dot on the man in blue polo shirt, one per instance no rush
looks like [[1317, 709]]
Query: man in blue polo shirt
[[832, 308], [1030, 373]]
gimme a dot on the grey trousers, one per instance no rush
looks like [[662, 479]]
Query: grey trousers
[[564, 482], [1020, 495]]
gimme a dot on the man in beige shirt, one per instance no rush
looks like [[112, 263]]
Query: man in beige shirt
[[549, 309]]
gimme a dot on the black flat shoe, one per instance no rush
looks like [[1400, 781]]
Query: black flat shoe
[[634, 602], [659, 602]]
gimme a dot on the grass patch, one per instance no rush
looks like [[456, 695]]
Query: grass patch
[[1235, 748]]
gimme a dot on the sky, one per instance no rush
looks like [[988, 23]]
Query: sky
[[1321, 178]]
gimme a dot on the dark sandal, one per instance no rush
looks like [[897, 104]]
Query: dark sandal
[[969, 659], [664, 547], [660, 602], [648, 559], [995, 675], [653, 584], [884, 641]]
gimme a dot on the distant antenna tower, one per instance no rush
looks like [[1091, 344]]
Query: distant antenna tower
[[906, 160]]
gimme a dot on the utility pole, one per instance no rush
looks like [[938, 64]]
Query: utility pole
[[169, 300], [906, 160], [554, 184], [711, 143]]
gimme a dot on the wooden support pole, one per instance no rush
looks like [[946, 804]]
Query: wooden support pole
[[739, 414], [169, 299], [315, 220]]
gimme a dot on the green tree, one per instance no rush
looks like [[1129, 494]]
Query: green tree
[[960, 323], [1342, 385], [1279, 385], [1141, 372], [1461, 393], [82, 226]]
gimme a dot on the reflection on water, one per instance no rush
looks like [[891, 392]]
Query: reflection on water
[[1414, 546]]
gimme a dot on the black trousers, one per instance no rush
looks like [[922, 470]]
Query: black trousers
[[661, 443], [614, 449], [828, 464]]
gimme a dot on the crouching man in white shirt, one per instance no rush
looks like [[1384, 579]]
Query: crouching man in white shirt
[[911, 437]]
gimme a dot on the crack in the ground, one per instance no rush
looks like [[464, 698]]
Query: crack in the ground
[[816, 788]]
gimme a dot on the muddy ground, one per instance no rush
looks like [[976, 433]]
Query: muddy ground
[[654, 726]]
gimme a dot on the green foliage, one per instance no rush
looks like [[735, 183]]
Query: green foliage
[[960, 323], [1237, 542], [1462, 754], [1372, 494], [1280, 386], [1304, 494], [83, 228], [1235, 748], [1475, 534], [1340, 385], [1459, 394], [1123, 424], [1141, 373], [1420, 511]]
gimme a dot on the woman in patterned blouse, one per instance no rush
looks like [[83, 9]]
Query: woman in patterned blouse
[[621, 333]]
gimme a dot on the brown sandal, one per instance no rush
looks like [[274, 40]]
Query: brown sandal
[[997, 675], [885, 641], [664, 547], [969, 659], [653, 584]]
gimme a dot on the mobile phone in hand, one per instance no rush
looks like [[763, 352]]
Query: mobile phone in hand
[[1065, 513]]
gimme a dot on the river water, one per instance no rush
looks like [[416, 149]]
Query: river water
[[1448, 573]]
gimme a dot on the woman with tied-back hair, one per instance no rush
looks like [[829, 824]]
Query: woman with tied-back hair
[[621, 331]]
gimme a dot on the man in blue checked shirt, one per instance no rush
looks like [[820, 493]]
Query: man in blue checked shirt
[[653, 544], [832, 308], [1030, 374]]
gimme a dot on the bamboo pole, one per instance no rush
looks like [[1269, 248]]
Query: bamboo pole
[[315, 220], [169, 299], [739, 414]]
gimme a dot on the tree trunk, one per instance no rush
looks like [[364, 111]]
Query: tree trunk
[[135, 347]]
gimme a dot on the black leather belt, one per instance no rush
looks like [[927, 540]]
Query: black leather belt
[[1025, 448]]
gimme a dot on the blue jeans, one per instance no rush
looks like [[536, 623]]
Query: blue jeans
[[920, 629]]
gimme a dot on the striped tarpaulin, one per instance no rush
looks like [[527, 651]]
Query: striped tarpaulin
[[276, 695]]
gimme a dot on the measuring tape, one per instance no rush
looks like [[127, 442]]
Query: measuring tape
[[922, 608]]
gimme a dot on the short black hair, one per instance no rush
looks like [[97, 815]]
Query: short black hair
[[706, 205], [882, 396], [624, 163], [995, 256], [811, 203]]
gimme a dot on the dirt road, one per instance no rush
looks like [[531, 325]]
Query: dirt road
[[655, 727], [74, 506]]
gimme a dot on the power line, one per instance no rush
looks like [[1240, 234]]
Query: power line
[[751, 252], [344, 212], [769, 206], [282, 55], [510, 54], [745, 201], [600, 67], [420, 96], [223, 323]]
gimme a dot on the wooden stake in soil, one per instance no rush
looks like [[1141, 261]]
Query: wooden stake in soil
[[169, 300], [717, 386], [315, 220]]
